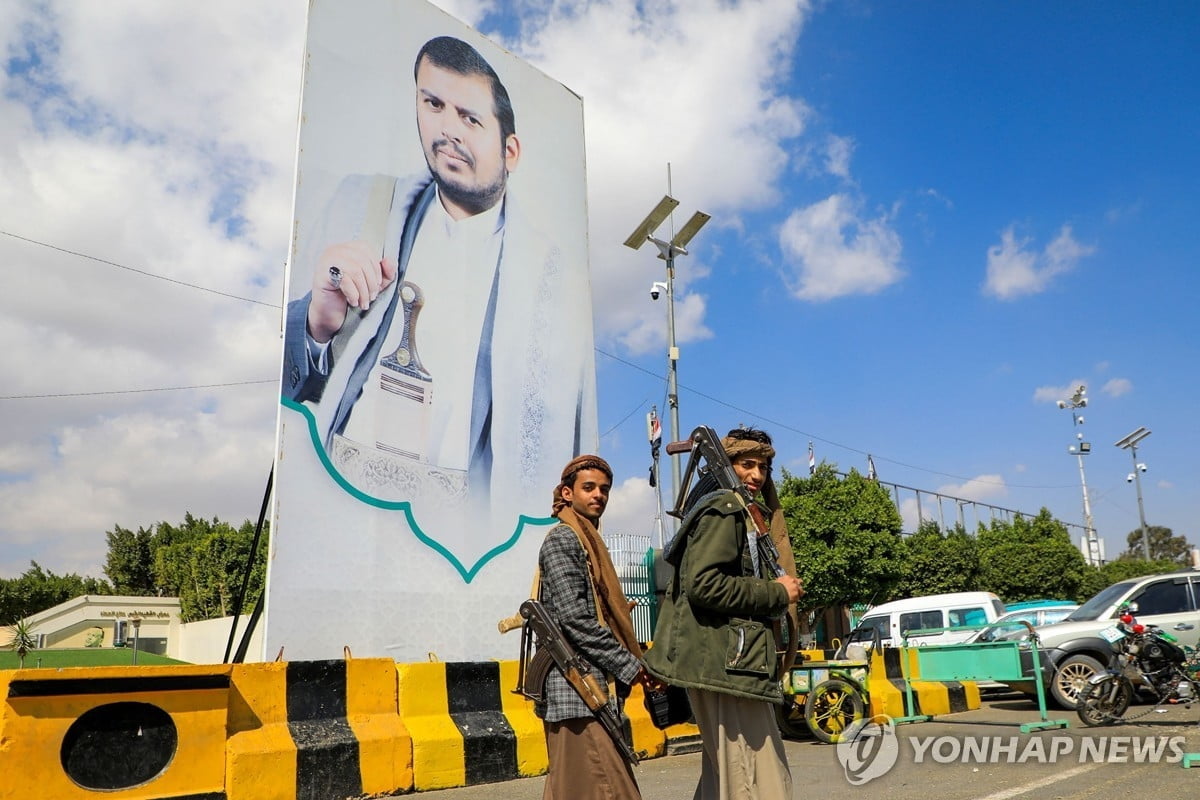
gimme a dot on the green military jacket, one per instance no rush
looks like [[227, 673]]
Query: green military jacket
[[714, 630]]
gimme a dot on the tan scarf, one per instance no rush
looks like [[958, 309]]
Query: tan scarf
[[611, 604]]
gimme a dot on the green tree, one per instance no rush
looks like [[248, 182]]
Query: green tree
[[38, 589], [936, 563], [130, 561], [1164, 546], [846, 536], [203, 565], [1097, 578], [1027, 559]]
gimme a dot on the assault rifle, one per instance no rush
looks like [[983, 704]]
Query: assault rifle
[[705, 444], [554, 650]]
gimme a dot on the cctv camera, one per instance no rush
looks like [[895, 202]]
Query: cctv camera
[[1062, 403], [1129, 478], [1142, 467], [654, 292]]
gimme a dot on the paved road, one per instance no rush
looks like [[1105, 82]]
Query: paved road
[[976, 755]]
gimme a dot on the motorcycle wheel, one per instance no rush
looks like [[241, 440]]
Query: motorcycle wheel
[[1105, 702]]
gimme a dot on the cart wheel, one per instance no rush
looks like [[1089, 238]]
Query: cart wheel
[[791, 718], [831, 708]]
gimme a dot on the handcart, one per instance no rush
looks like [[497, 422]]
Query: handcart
[[824, 698]]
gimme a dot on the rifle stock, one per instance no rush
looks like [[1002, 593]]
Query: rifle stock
[[553, 648]]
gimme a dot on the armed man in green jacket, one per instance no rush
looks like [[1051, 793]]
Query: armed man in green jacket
[[714, 634]]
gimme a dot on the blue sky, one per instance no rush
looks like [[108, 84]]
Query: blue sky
[[930, 221]]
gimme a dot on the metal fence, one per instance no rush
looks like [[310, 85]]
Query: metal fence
[[633, 559]]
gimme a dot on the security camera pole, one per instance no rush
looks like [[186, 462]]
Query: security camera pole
[[667, 252], [1130, 443], [1079, 450]]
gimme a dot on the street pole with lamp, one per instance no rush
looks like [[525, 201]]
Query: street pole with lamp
[[136, 621], [667, 251], [1130, 443], [1077, 401]]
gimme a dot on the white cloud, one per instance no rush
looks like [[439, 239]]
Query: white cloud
[[1117, 387], [1014, 270], [161, 137], [945, 510], [649, 333], [838, 150], [981, 488], [658, 102], [1165, 484], [632, 507], [832, 252]]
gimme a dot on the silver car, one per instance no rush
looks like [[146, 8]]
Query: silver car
[[1072, 651]]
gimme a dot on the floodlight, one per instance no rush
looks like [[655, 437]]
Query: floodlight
[[650, 224]]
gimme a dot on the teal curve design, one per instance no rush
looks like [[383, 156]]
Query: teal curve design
[[468, 574]]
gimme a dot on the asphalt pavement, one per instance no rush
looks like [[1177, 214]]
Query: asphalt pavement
[[974, 755]]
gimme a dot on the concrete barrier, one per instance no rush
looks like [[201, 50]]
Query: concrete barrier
[[124, 733], [313, 730], [887, 687], [275, 731]]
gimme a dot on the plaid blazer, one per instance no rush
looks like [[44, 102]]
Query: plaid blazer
[[566, 593]]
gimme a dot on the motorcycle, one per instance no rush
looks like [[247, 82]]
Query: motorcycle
[[1144, 657]]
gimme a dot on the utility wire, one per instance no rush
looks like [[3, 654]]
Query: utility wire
[[141, 272], [636, 409], [697, 392], [133, 391], [806, 434]]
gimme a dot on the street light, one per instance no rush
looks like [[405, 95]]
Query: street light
[[667, 251], [136, 621], [1130, 443], [1079, 450]]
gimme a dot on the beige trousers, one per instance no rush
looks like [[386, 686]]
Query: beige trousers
[[743, 756], [585, 764]]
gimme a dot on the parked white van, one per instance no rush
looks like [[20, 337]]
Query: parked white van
[[891, 621]]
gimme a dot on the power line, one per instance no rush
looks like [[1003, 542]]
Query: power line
[[776, 423], [134, 391], [806, 434], [141, 272]]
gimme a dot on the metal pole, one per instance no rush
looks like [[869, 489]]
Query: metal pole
[[1093, 545], [1137, 481], [672, 369]]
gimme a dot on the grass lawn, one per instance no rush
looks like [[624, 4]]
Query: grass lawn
[[83, 657]]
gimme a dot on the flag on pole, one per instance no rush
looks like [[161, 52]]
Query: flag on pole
[[812, 460], [871, 476], [654, 430]]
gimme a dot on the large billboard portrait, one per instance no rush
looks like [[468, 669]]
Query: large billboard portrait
[[438, 369]]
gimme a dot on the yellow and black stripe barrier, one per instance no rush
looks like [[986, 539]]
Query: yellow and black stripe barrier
[[316, 729], [888, 688], [274, 731]]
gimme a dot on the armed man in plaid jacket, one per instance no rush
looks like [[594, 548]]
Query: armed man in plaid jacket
[[580, 589]]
